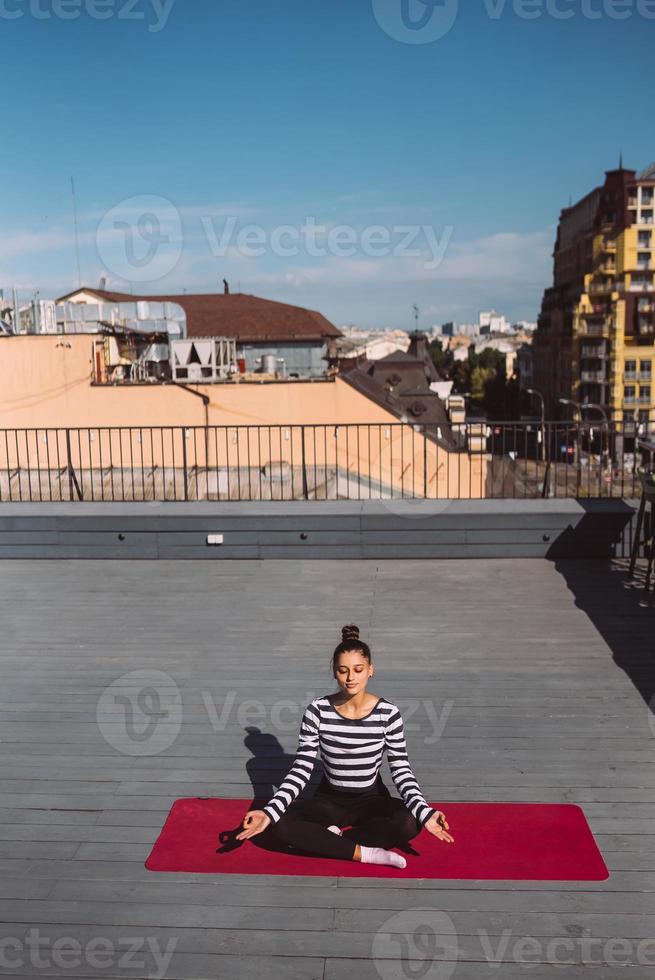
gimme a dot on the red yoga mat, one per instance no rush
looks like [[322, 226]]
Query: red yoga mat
[[493, 842]]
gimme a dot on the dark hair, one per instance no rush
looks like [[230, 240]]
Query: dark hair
[[350, 642]]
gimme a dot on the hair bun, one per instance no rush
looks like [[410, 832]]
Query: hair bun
[[350, 632]]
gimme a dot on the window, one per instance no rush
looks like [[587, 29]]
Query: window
[[629, 393], [645, 367], [629, 416], [630, 370], [644, 393], [644, 239], [644, 415]]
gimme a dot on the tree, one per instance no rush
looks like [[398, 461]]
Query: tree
[[442, 359]]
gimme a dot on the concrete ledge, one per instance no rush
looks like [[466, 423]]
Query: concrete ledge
[[315, 529]]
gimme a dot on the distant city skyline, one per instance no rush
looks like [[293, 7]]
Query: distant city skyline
[[305, 154]]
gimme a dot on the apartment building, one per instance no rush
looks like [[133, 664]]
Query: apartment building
[[595, 342]]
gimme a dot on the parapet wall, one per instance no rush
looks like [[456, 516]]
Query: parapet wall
[[311, 529]]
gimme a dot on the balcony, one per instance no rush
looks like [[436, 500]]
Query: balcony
[[596, 350], [598, 327], [630, 375], [593, 377]]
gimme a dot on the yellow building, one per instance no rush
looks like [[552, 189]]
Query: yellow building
[[596, 338]]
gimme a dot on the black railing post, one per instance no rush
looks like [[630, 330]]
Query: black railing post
[[305, 487], [72, 479], [184, 463]]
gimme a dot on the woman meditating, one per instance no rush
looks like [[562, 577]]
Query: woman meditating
[[352, 729]]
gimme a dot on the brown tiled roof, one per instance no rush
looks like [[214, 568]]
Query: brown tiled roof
[[400, 383], [247, 318]]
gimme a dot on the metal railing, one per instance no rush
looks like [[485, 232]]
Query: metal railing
[[324, 462]]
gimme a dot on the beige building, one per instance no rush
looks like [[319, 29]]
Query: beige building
[[237, 438]]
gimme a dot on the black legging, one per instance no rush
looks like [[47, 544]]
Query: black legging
[[377, 819]]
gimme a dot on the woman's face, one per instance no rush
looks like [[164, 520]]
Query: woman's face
[[352, 672]]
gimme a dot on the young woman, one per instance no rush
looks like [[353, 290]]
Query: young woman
[[352, 729]]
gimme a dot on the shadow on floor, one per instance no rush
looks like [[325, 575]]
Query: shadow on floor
[[266, 769], [622, 612]]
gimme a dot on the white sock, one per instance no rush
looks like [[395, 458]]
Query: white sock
[[378, 855], [336, 830]]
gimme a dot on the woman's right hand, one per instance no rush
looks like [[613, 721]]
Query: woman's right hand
[[254, 822]]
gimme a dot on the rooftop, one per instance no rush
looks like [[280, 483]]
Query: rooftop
[[248, 318], [539, 673]]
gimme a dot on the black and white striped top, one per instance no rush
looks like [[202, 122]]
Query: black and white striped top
[[351, 753]]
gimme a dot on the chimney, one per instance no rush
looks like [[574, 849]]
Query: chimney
[[226, 288], [103, 283], [418, 348]]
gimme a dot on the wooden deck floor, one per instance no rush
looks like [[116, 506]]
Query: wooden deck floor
[[530, 681]]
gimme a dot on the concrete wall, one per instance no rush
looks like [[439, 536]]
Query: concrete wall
[[45, 383], [553, 529]]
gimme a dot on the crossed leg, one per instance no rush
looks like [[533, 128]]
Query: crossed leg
[[380, 822]]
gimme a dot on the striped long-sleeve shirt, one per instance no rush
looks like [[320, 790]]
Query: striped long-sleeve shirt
[[351, 752]]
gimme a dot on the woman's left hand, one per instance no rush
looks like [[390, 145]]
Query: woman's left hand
[[438, 825]]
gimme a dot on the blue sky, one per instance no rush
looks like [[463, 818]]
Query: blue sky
[[207, 136]]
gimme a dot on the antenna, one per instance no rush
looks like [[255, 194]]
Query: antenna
[[77, 235], [416, 314]]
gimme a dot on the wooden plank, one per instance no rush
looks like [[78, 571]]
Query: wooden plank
[[542, 670]]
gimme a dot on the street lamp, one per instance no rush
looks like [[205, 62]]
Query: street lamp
[[578, 463], [533, 391], [604, 455], [569, 401]]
